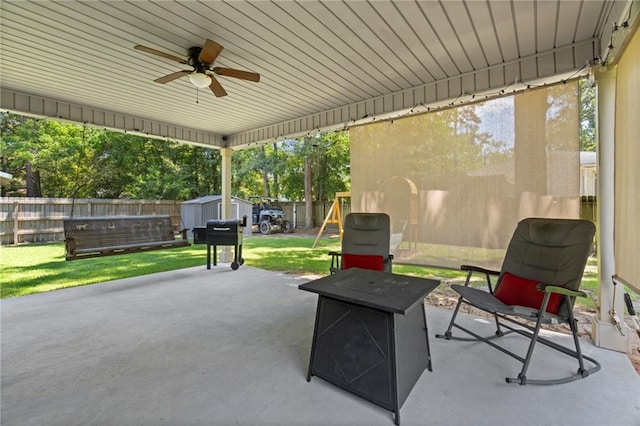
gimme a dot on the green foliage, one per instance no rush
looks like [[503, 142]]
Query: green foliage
[[277, 170], [55, 159], [328, 155], [66, 160], [587, 116], [246, 173]]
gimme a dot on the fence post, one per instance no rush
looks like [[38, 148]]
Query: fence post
[[16, 211], [294, 215]]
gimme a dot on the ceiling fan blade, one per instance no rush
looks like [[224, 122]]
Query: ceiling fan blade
[[210, 51], [244, 75], [171, 77], [159, 53], [216, 88]]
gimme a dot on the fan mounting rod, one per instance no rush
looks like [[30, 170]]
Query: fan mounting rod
[[194, 56]]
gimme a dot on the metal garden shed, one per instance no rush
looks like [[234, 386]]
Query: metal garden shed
[[198, 211]]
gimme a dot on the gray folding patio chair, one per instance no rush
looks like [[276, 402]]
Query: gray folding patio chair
[[538, 282], [365, 243]]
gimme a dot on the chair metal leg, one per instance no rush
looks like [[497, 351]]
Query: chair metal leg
[[447, 334], [499, 332], [522, 376], [573, 325]]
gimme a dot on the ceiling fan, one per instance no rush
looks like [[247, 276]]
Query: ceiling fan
[[201, 60]]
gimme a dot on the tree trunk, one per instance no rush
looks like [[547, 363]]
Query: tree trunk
[[308, 196], [265, 175], [32, 178], [276, 184]]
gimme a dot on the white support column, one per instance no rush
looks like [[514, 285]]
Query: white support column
[[604, 332], [226, 254]]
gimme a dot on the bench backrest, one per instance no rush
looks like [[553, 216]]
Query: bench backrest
[[90, 232]]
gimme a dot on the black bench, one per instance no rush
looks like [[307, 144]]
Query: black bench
[[87, 237]]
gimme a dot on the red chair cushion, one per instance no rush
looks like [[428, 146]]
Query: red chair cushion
[[514, 290], [365, 261]]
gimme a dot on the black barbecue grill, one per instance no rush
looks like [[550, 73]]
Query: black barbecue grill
[[221, 233]]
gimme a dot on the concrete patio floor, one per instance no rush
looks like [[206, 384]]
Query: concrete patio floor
[[222, 347]]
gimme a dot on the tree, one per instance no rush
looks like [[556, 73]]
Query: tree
[[308, 184], [56, 159], [333, 170], [17, 155], [587, 115], [246, 178], [317, 169], [66, 160], [203, 170], [48, 155]]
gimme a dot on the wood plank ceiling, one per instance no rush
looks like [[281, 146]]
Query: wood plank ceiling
[[323, 64]]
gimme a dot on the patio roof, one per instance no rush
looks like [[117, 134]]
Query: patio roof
[[197, 346], [324, 64]]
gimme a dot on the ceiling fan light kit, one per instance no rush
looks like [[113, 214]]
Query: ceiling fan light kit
[[200, 80], [201, 59]]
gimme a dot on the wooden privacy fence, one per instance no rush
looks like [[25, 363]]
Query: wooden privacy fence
[[295, 212], [24, 220], [31, 220], [36, 220]]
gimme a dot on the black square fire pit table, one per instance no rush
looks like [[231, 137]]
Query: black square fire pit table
[[370, 335]]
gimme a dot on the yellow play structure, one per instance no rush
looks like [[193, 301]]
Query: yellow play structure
[[334, 216]]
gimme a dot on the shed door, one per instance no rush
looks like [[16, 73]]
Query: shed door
[[235, 211]]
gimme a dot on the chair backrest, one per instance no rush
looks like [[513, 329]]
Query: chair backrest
[[550, 251], [365, 241]]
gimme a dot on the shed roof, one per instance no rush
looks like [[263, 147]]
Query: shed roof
[[5, 178], [212, 198]]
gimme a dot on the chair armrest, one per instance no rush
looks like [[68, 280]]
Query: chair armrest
[[479, 269], [560, 290], [471, 269]]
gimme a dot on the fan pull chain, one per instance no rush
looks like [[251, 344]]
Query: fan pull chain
[[197, 95]]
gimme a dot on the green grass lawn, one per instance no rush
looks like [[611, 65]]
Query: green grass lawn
[[35, 268]]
